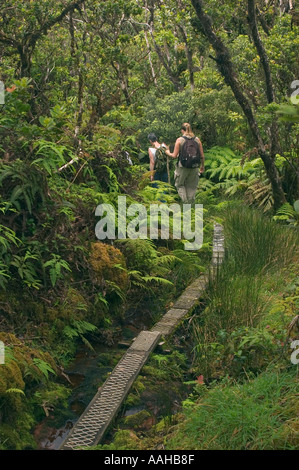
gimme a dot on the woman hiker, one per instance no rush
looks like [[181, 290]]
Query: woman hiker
[[190, 163]]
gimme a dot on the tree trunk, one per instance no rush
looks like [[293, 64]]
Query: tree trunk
[[189, 55], [252, 21], [80, 105], [260, 50], [150, 58]]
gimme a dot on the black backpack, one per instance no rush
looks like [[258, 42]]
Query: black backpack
[[190, 156]]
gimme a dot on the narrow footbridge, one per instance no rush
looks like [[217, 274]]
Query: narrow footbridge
[[93, 423]]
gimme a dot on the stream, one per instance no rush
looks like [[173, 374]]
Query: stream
[[87, 372]]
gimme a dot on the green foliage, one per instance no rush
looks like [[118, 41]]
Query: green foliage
[[264, 247], [51, 155], [232, 335], [164, 116], [55, 265], [289, 113], [43, 366], [26, 269], [78, 329], [15, 390], [239, 417], [8, 239], [237, 177], [288, 213], [48, 400], [22, 186], [87, 88]]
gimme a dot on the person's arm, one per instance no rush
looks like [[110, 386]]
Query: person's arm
[[152, 162], [202, 166], [176, 150]]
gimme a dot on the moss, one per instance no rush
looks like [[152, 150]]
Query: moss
[[132, 400], [16, 438], [139, 385], [11, 377], [25, 368], [136, 420], [108, 359], [103, 259], [123, 440], [152, 371], [19, 361]]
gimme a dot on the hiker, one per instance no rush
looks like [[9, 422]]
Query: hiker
[[159, 175], [190, 163]]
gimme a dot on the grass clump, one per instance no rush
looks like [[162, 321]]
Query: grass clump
[[256, 415], [257, 244]]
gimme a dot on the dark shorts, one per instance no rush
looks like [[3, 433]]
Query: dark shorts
[[161, 177]]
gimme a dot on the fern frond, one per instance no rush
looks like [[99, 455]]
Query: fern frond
[[15, 390]]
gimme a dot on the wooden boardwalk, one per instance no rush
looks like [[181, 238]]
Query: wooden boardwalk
[[93, 423]]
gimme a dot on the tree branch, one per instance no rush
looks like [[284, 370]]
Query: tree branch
[[252, 21], [33, 37]]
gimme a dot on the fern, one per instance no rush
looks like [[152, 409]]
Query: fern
[[43, 366], [259, 193], [78, 329], [4, 275], [112, 287], [15, 390], [52, 154], [159, 280], [22, 185], [159, 358], [138, 280], [288, 213], [113, 185]]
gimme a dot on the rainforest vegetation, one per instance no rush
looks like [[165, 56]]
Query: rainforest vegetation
[[82, 84]]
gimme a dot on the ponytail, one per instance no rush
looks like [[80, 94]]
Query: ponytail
[[187, 128]]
